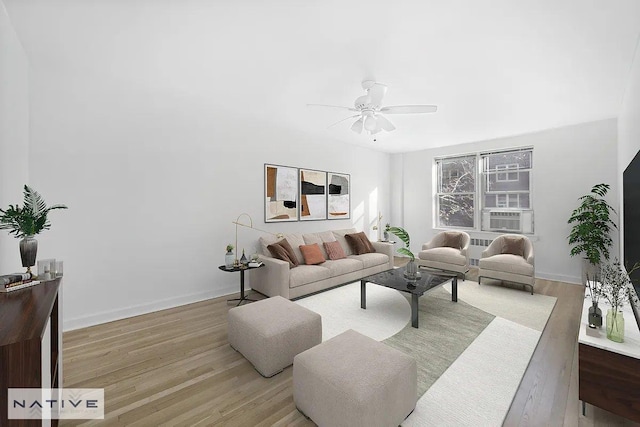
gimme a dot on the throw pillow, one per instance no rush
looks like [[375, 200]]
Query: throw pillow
[[283, 250], [312, 254], [334, 250], [513, 245], [359, 243], [452, 240]]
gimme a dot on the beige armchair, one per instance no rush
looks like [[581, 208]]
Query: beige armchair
[[509, 258], [447, 251]]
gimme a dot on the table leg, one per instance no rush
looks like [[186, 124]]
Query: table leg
[[454, 289], [242, 296], [363, 294], [414, 310]]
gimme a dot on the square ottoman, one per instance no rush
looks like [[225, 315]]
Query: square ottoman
[[353, 380], [270, 332]]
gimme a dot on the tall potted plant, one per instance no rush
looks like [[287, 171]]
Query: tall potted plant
[[591, 232], [27, 221]]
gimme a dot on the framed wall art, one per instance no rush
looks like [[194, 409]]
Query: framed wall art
[[313, 195], [339, 197], [281, 193]]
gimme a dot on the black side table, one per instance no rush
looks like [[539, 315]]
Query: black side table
[[241, 270]]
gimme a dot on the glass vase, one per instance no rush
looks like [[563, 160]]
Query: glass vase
[[615, 325], [229, 258], [595, 315]]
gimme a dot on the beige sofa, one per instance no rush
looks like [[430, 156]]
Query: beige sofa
[[276, 278]]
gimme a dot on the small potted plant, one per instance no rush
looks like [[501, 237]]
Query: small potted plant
[[27, 221], [411, 269], [229, 258], [616, 287]]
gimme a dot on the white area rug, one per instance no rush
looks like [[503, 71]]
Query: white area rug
[[478, 388], [387, 313]]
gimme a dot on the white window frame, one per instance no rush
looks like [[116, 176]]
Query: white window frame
[[503, 173]]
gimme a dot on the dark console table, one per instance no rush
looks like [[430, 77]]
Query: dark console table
[[30, 343]]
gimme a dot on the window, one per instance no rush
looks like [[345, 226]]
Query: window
[[456, 191], [505, 178], [507, 181]]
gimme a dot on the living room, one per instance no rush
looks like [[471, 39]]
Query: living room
[[153, 122]]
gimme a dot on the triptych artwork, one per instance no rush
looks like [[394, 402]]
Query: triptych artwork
[[296, 194]]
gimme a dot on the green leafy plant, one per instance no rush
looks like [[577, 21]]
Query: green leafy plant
[[230, 247], [29, 220], [592, 225], [404, 236]]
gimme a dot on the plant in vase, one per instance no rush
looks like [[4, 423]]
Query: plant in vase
[[229, 258], [386, 232], [592, 226], [27, 221], [616, 289], [411, 269]]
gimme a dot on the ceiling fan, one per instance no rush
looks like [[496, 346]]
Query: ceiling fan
[[370, 111]]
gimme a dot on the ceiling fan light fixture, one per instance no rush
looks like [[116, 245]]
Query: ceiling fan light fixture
[[357, 125], [370, 123]]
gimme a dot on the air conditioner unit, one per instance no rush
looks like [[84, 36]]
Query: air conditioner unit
[[517, 221]]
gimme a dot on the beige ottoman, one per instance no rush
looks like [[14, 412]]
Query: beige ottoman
[[270, 332], [353, 380]]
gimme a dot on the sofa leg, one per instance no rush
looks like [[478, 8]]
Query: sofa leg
[[479, 277]]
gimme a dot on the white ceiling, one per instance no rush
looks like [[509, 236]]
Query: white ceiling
[[495, 68]]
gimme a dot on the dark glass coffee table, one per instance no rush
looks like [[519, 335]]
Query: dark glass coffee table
[[395, 279]]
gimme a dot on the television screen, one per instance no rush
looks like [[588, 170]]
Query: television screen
[[631, 206]]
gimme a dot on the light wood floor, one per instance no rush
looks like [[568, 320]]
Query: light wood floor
[[175, 367]]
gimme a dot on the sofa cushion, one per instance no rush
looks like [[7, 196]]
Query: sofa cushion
[[508, 263], [334, 250], [359, 243], [339, 235], [312, 254], [371, 260], [343, 266], [446, 255], [304, 274], [452, 239], [513, 245], [282, 250]]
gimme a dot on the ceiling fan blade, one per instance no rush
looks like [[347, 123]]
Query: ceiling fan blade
[[340, 121], [377, 92], [332, 106], [409, 109], [358, 125], [384, 123]]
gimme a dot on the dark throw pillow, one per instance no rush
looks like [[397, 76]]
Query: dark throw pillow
[[513, 245], [283, 250], [452, 240], [359, 243]]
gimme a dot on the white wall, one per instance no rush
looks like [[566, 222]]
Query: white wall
[[629, 130], [568, 161], [14, 132], [153, 181]]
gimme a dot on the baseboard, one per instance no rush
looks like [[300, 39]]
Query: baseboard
[[559, 278], [137, 310]]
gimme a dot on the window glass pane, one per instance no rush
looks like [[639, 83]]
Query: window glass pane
[[508, 160], [457, 175], [507, 181], [456, 210]]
